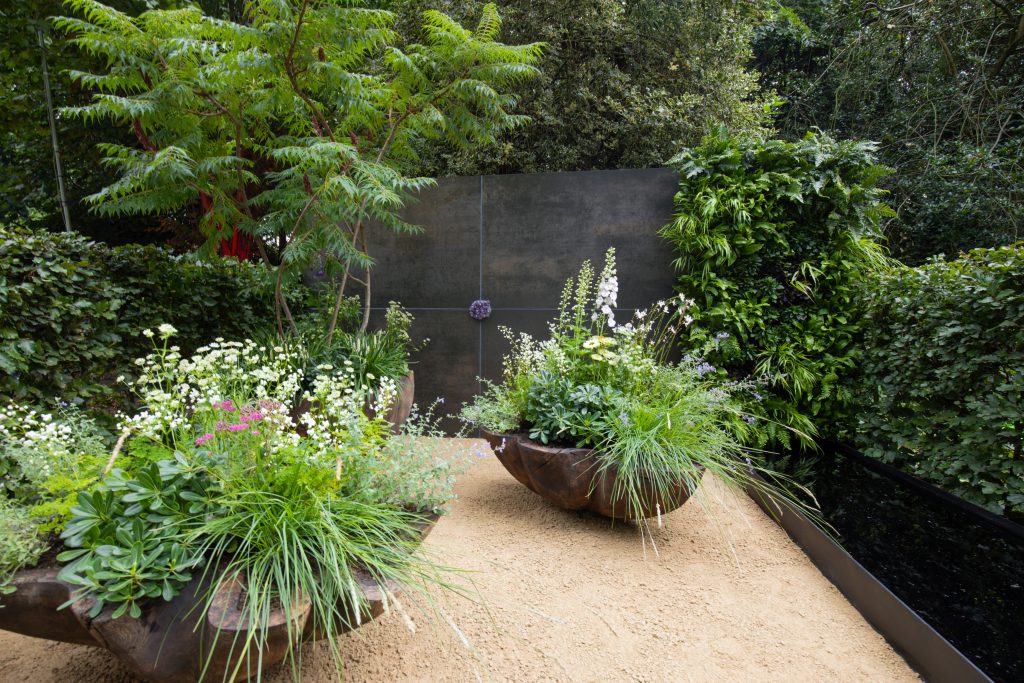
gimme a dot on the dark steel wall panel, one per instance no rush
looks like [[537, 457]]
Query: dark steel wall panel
[[515, 239], [439, 267], [539, 228]]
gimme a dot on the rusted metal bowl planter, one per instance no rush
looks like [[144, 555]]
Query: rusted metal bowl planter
[[572, 479], [176, 641], [400, 409], [397, 414]]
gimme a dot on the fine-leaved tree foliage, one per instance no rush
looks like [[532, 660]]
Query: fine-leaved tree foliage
[[295, 128], [940, 85]]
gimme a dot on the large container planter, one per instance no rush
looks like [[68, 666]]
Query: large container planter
[[172, 642], [572, 479], [397, 414], [402, 406]]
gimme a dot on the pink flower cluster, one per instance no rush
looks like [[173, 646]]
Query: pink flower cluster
[[247, 417]]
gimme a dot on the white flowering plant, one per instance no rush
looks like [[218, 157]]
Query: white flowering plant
[[563, 389], [46, 458], [600, 383], [225, 445]]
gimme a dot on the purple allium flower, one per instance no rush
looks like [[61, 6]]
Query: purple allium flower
[[480, 309]]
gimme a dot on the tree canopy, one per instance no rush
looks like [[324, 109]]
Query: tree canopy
[[940, 84], [296, 127]]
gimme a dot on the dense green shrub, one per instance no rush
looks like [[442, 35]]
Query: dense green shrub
[[941, 380], [71, 310], [58, 316], [940, 84], [202, 299], [773, 239], [622, 84]]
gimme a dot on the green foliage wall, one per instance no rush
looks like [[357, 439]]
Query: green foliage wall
[[940, 387], [623, 85], [71, 310], [774, 240]]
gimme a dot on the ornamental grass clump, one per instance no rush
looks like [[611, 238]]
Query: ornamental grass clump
[[654, 424]]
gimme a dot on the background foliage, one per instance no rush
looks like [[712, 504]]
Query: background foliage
[[939, 83], [28, 186], [71, 310], [623, 85], [297, 127], [940, 387], [774, 239]]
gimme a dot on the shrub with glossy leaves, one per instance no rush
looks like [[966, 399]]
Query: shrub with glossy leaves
[[941, 382]]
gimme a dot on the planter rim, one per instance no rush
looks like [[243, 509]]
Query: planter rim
[[570, 478]]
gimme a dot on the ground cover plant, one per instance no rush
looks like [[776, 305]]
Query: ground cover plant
[[609, 385], [46, 459], [236, 469], [774, 241]]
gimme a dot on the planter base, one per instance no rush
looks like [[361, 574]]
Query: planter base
[[172, 642], [572, 479]]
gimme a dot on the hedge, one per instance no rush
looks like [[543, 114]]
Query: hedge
[[941, 380], [71, 310]]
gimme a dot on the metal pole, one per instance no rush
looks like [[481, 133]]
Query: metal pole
[[53, 136]]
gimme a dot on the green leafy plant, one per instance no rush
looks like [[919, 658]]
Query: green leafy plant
[[379, 353], [946, 110], [774, 239], [598, 383], [21, 545], [558, 410], [293, 128], [940, 386], [71, 310], [293, 492], [128, 538], [291, 539], [58, 318], [48, 459]]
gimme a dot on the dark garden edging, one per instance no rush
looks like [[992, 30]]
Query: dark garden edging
[[934, 657], [1000, 524]]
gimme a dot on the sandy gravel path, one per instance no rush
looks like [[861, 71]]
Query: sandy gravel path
[[565, 597]]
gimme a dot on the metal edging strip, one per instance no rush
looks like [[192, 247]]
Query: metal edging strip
[[934, 657]]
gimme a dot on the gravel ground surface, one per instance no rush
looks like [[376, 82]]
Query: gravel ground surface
[[563, 596]]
